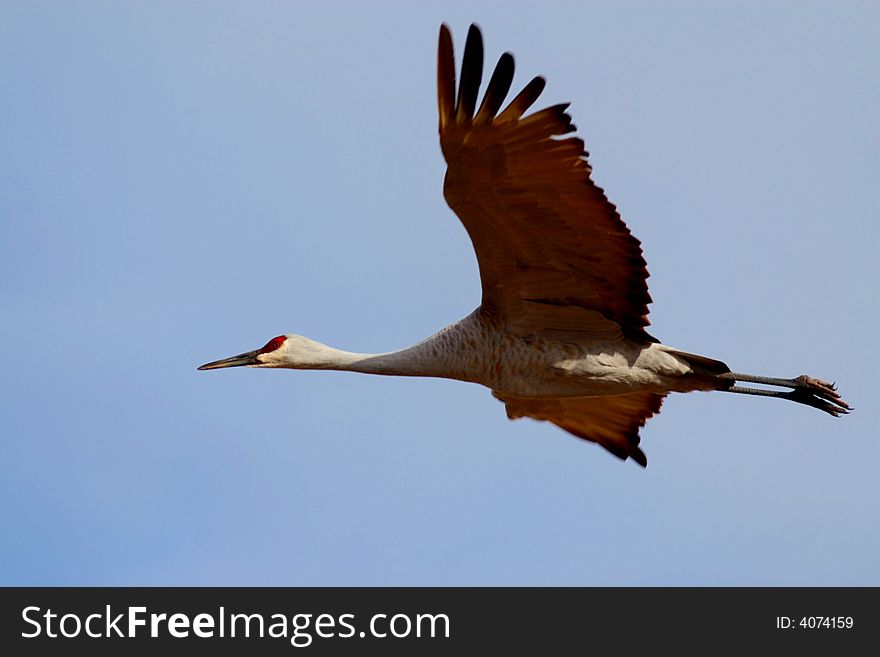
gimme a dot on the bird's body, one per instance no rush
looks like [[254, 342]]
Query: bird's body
[[482, 351], [561, 333]]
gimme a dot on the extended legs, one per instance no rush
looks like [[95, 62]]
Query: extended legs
[[804, 390]]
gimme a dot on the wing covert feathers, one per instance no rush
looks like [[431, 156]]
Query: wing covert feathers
[[544, 233]]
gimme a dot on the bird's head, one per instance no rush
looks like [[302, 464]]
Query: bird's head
[[292, 351], [271, 354]]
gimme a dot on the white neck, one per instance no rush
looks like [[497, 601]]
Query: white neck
[[418, 360]]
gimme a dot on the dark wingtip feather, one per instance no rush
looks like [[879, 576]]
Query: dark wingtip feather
[[499, 86], [471, 75], [524, 99], [639, 457], [445, 76]]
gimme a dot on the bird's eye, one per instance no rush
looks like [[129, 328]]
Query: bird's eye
[[273, 344]]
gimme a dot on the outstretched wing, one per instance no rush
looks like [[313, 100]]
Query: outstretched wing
[[553, 252], [612, 421]]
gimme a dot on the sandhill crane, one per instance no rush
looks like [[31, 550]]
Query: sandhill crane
[[560, 334]]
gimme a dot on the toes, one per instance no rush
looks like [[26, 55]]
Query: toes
[[832, 405], [819, 387]]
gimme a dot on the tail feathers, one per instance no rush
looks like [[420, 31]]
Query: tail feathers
[[704, 367]]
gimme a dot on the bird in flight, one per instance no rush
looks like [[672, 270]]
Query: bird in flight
[[561, 332]]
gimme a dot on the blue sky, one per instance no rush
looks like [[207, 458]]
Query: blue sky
[[180, 182]]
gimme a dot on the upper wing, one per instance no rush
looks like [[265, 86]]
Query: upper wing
[[553, 252], [612, 421]]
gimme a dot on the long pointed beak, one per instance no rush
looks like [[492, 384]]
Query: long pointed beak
[[250, 358]]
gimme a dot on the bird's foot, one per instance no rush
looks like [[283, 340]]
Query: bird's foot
[[819, 394]]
